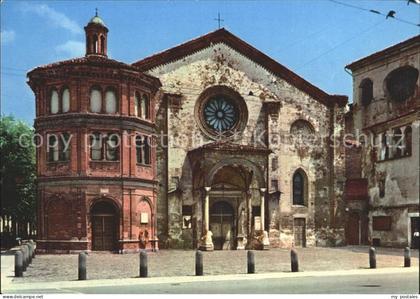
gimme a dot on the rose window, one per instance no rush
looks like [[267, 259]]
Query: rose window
[[220, 114]]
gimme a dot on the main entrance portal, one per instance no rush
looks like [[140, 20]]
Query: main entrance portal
[[229, 180], [104, 221], [222, 225]]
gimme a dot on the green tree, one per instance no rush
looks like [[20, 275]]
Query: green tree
[[18, 170]]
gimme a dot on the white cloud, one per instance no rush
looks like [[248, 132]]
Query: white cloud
[[71, 48], [56, 18], [7, 36]]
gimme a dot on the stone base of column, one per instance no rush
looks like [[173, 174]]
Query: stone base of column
[[206, 243], [265, 241], [206, 247], [241, 242]]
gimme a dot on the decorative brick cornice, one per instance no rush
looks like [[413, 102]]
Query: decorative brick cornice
[[89, 120], [91, 67], [95, 180]]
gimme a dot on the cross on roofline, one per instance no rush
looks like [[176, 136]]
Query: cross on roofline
[[219, 20]]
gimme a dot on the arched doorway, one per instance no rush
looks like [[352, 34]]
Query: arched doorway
[[104, 220], [222, 225]]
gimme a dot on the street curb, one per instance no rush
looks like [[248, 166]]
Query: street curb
[[187, 279]]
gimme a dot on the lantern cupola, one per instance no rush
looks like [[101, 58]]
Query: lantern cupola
[[96, 37]]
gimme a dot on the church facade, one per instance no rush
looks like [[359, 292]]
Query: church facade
[[241, 152]]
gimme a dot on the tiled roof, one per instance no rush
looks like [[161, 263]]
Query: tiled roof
[[93, 60], [415, 41]]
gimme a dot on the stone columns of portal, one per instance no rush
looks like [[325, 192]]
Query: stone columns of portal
[[207, 208], [265, 240], [263, 190], [206, 242]]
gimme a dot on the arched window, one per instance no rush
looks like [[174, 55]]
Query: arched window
[[381, 186], [65, 100], [54, 102], [401, 83], [145, 107], [87, 44], [112, 146], [301, 127], [384, 146], [299, 188], [102, 44], [302, 132], [366, 92], [143, 149], [95, 44], [64, 146], [136, 104], [53, 148], [95, 100], [139, 149], [397, 143], [96, 146], [110, 102], [408, 135]]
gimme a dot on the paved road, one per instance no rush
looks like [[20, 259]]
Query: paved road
[[355, 282], [181, 262]]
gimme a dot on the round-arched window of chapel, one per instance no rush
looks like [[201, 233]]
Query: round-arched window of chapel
[[220, 113]]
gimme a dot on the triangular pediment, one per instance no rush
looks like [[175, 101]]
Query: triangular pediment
[[225, 37]]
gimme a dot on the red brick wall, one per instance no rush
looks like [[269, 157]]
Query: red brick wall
[[67, 189]]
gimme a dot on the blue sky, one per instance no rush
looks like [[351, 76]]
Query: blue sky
[[314, 38]]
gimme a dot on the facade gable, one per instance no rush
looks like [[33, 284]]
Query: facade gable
[[223, 36]]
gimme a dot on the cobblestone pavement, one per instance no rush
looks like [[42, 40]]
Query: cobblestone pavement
[[181, 263]]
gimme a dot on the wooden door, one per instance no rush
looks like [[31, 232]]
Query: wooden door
[[353, 229], [216, 229], [300, 232], [227, 235], [103, 232], [221, 225]]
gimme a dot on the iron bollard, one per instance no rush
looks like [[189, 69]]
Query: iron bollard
[[24, 258], [407, 257], [33, 248], [143, 263], [294, 260], [28, 253], [82, 266], [198, 263], [30, 249], [372, 258], [251, 262], [18, 264]]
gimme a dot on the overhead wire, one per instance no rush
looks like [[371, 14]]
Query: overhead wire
[[357, 35], [375, 12]]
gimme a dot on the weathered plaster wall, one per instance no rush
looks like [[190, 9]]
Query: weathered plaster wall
[[220, 65], [401, 175], [381, 108]]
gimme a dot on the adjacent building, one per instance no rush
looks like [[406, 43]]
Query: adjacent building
[[382, 186]]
